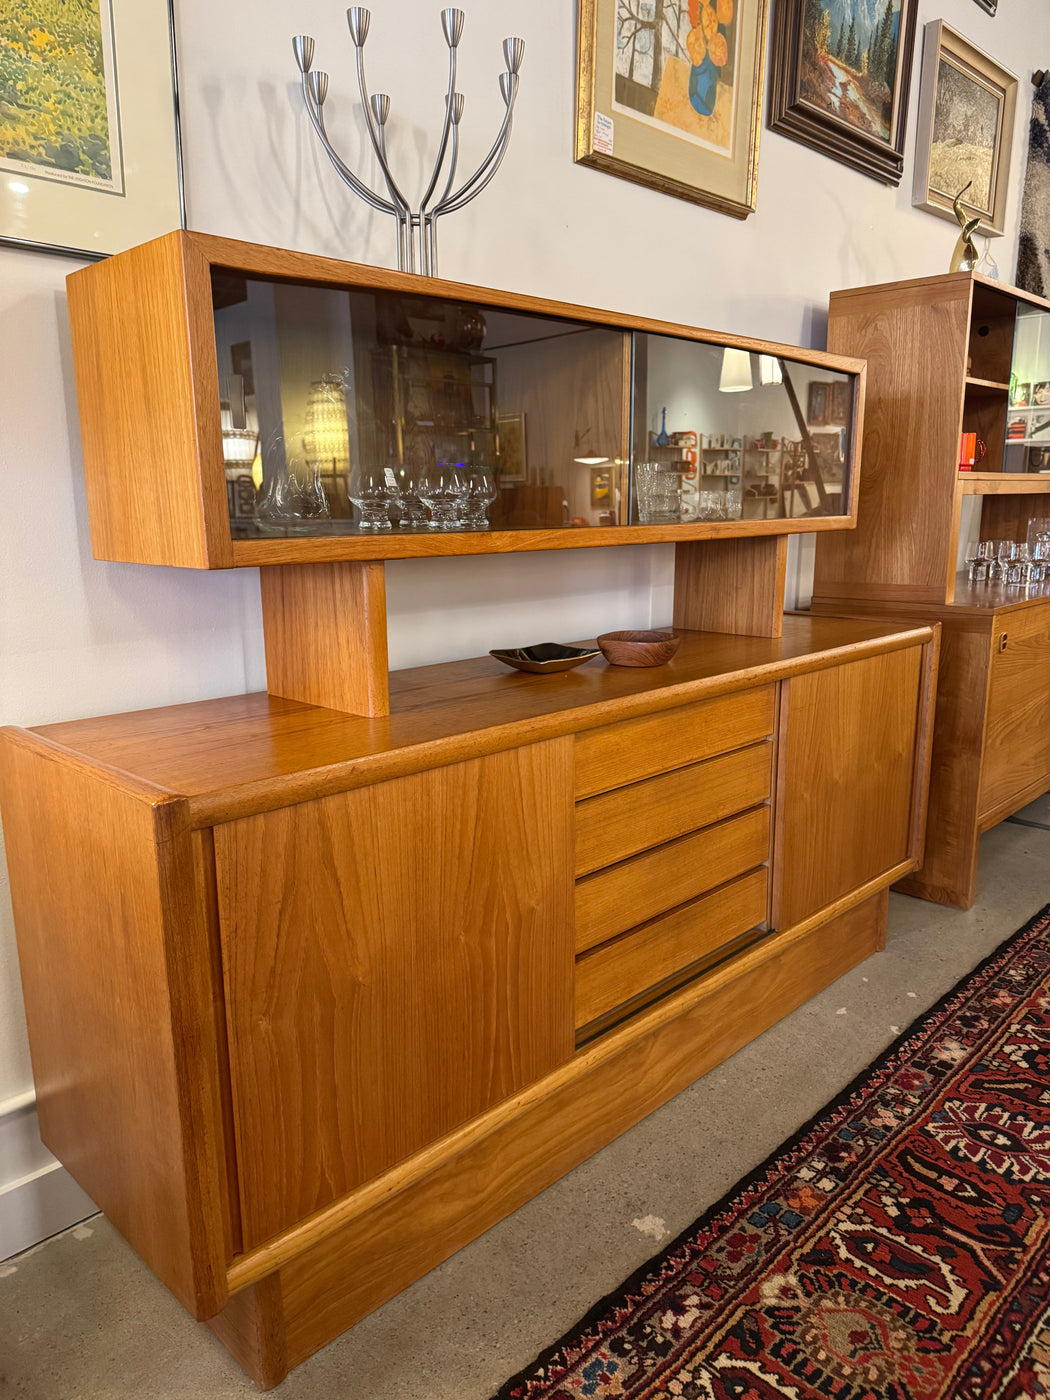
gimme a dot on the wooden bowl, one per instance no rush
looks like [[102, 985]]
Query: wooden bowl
[[638, 648]]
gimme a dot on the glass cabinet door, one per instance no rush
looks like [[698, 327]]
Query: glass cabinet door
[[721, 433], [1027, 446], [358, 412]]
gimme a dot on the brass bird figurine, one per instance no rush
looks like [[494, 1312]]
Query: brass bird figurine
[[964, 257]]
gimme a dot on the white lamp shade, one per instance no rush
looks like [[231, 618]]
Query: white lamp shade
[[769, 371], [325, 435], [736, 371]]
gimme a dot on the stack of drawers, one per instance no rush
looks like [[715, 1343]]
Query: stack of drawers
[[672, 848]]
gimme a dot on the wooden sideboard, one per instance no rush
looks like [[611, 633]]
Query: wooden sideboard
[[314, 998], [944, 357]]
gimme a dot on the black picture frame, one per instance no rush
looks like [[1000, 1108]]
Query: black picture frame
[[795, 112]]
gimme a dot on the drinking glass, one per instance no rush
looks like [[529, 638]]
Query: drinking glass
[[479, 493], [1004, 554], [1039, 548], [441, 490], [373, 492], [975, 563], [657, 489], [1018, 568]]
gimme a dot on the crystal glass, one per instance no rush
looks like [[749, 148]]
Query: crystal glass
[[373, 491], [411, 510], [977, 566], [657, 492], [1004, 553], [441, 490], [1018, 567], [479, 493]]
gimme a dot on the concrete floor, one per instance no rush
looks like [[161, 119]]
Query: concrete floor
[[80, 1316]]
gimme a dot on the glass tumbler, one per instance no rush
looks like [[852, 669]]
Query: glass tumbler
[[657, 492], [479, 493]]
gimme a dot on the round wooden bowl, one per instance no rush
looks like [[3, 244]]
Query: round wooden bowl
[[638, 648]]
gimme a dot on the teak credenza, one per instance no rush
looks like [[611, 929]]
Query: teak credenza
[[322, 983]]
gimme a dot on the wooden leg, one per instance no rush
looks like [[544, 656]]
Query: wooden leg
[[734, 585], [325, 632]]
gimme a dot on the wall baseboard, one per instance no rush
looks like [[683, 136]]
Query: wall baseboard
[[38, 1197]]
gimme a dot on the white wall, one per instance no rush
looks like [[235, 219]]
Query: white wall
[[80, 638]]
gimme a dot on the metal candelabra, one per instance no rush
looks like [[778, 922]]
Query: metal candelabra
[[416, 228]]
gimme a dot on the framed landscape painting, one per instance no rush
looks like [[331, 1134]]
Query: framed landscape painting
[[669, 95], [840, 77], [89, 152], [967, 105]]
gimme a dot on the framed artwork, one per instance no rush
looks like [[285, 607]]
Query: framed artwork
[[840, 76], [1020, 394], [512, 454], [669, 95], [1041, 394], [966, 124], [601, 486], [817, 403], [840, 400], [89, 143]]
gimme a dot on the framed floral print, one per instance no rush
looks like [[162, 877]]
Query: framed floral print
[[89, 146], [669, 95], [967, 104], [840, 77]]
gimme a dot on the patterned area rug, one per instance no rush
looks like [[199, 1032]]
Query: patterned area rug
[[897, 1248]]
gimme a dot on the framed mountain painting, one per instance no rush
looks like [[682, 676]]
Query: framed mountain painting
[[840, 77]]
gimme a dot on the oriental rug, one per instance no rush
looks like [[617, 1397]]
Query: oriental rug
[[1033, 249], [896, 1248]]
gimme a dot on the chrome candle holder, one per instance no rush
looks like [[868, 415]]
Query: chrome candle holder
[[416, 228]]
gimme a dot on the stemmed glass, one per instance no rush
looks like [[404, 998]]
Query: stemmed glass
[[1019, 568], [372, 492], [1039, 548], [413, 515], [441, 490], [479, 493], [976, 563]]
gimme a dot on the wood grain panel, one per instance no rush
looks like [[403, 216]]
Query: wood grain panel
[[623, 895], [916, 349], [120, 1005], [148, 398], [324, 627], [397, 959], [1017, 734], [250, 753], [618, 754], [613, 974], [849, 775], [336, 1271], [618, 824], [731, 585]]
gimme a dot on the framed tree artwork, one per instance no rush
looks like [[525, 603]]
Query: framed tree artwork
[[89, 144], [840, 77], [669, 95], [967, 104]]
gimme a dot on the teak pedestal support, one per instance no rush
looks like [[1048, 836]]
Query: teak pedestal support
[[325, 632]]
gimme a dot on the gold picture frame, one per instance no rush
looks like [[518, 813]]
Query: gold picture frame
[[690, 130], [111, 177], [967, 108]]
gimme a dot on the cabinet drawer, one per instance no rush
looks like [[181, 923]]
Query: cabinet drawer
[[613, 975], [631, 819], [623, 753], [616, 899]]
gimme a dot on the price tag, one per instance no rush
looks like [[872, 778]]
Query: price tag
[[603, 134]]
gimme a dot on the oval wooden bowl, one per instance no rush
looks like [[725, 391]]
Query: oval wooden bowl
[[638, 648]]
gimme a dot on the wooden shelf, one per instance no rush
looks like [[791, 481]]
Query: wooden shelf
[[1003, 483], [980, 387]]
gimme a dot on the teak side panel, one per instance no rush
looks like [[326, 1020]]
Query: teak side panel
[[916, 356], [848, 770], [617, 754], [356, 1268], [397, 959], [621, 823], [614, 900], [120, 1006], [1017, 735], [143, 345]]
